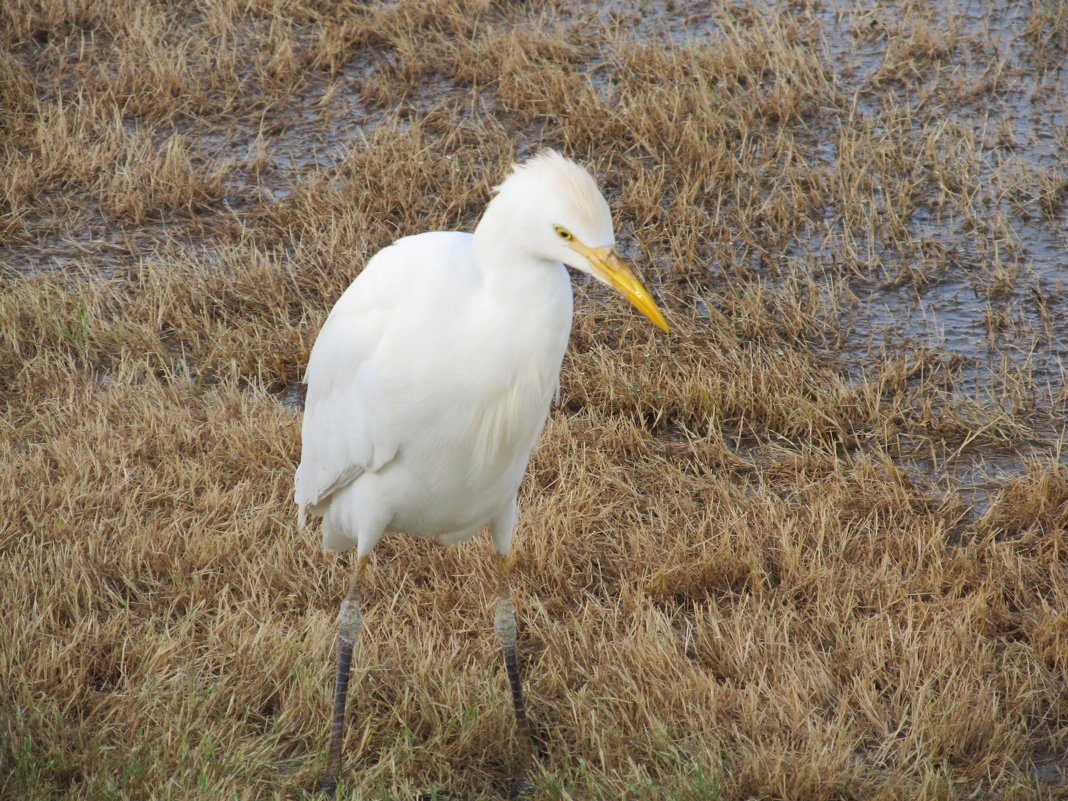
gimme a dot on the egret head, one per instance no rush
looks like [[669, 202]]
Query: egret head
[[556, 212]]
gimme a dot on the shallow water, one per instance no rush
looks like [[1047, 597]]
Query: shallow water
[[994, 313]]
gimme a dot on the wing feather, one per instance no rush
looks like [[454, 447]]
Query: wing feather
[[354, 419]]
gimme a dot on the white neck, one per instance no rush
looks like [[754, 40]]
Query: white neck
[[537, 289]]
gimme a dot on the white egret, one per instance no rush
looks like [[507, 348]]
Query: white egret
[[431, 380]]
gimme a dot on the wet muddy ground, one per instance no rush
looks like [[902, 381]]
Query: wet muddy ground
[[981, 281]]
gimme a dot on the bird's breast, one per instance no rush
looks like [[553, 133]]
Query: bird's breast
[[462, 472], [506, 424], [486, 378]]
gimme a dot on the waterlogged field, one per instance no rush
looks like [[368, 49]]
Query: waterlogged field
[[812, 544]]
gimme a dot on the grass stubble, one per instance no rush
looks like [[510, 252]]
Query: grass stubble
[[733, 579]]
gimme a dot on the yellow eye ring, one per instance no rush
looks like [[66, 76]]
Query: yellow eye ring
[[563, 233]]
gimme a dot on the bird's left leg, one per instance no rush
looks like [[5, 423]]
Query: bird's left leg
[[504, 626], [349, 623]]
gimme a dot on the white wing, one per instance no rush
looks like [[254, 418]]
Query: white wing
[[354, 414]]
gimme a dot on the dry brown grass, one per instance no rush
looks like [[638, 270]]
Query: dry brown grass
[[744, 569]]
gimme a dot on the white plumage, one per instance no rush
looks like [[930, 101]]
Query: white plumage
[[432, 377]]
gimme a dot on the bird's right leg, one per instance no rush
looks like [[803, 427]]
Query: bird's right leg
[[349, 623], [504, 625]]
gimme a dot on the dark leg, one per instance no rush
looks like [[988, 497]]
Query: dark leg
[[349, 624], [504, 625]]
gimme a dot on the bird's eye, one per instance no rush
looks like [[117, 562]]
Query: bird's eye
[[563, 233]]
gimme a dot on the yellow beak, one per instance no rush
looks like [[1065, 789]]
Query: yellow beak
[[608, 268]]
